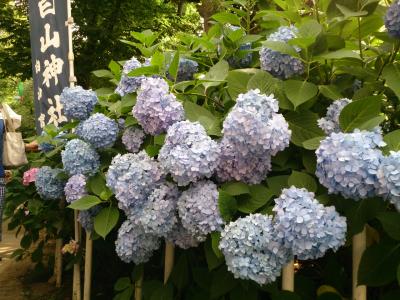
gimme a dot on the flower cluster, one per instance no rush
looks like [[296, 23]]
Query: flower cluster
[[253, 132], [392, 19], [134, 245], [132, 177], [49, 185], [305, 226], [129, 84], [389, 178], [188, 153], [330, 123], [75, 188], [79, 157], [29, 176], [252, 250], [99, 130], [243, 59], [186, 69], [85, 217], [182, 238], [198, 209], [133, 138], [78, 103], [156, 109], [278, 64], [347, 163]]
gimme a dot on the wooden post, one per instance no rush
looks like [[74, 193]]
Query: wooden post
[[288, 277], [76, 284], [138, 287], [359, 246], [87, 286], [58, 263], [169, 260], [70, 23]]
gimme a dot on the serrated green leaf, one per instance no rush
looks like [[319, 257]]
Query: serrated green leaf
[[235, 188], [85, 202], [302, 180], [237, 81], [299, 92], [313, 143], [198, 113], [174, 66], [225, 17], [106, 220], [103, 74], [391, 73], [227, 205], [281, 47], [304, 126], [392, 139], [122, 284], [391, 223], [330, 91]]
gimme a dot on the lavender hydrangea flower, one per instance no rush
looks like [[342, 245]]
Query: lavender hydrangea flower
[[86, 217], [306, 227], [347, 163], [156, 109], [198, 209], [188, 153], [392, 19], [252, 250], [132, 177], [99, 130], [134, 245], [278, 64], [389, 178], [75, 188], [79, 157], [48, 184], [127, 83], [186, 70], [133, 138], [78, 103], [159, 213], [182, 238], [330, 123]]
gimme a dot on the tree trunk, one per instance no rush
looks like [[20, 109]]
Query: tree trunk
[[207, 9]]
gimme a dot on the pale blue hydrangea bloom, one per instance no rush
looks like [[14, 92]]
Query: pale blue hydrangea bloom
[[188, 153], [48, 184], [75, 188], [306, 227], [132, 177], [100, 131], [86, 217], [278, 64], [156, 109], [133, 138], [389, 178], [198, 209], [79, 157], [78, 103], [159, 212], [186, 70], [134, 245], [347, 163], [392, 19], [127, 83], [182, 238], [330, 123], [252, 250]]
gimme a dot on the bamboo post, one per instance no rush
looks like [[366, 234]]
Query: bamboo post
[[138, 287], [88, 267], [359, 246], [169, 260], [58, 255], [288, 277], [76, 284]]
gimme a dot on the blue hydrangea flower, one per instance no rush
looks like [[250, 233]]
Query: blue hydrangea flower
[[127, 83], [99, 130], [198, 209], [186, 70], [252, 250], [243, 59], [278, 64], [47, 147], [79, 157], [392, 19], [121, 124], [132, 177], [389, 178], [86, 217], [75, 188], [182, 238], [156, 109], [330, 123], [188, 153], [48, 184], [347, 163], [133, 138], [134, 245], [159, 213], [305, 226], [78, 103]]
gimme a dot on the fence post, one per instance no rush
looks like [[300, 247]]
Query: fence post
[[359, 246], [87, 286], [288, 277], [169, 260]]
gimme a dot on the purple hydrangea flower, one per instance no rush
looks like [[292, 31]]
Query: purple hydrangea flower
[[75, 188], [129, 84], [86, 217], [132, 139], [182, 238], [392, 19], [78, 103]]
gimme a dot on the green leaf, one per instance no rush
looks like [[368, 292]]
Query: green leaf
[[302, 180], [225, 17], [97, 184], [348, 13], [85, 202], [299, 92], [391, 73], [358, 114], [235, 188], [310, 28], [180, 272], [215, 238], [227, 205], [259, 196], [122, 283], [304, 126], [103, 74], [379, 263], [222, 283], [338, 54], [148, 70], [237, 81], [392, 139], [330, 91], [240, 293], [213, 261], [152, 150], [398, 274], [285, 295], [216, 75], [391, 223], [115, 68], [198, 113], [281, 47], [313, 144], [174, 67], [106, 220], [164, 292], [158, 59], [277, 183]]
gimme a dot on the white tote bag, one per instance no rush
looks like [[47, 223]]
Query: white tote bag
[[13, 144]]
